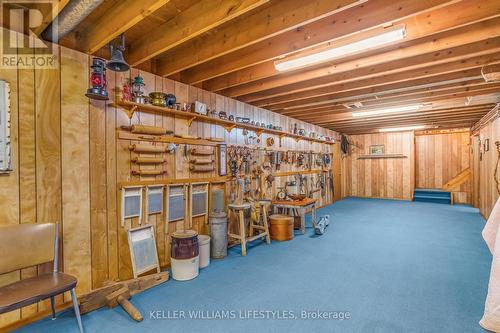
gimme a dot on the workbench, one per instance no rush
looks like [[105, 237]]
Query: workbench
[[301, 207]]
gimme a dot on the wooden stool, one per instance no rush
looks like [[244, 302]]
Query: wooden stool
[[239, 210], [261, 216]]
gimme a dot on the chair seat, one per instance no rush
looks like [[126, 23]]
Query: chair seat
[[32, 290]]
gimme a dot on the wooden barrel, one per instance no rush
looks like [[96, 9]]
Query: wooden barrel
[[281, 227], [184, 244]]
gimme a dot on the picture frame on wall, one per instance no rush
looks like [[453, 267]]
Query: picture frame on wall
[[377, 149], [222, 160]]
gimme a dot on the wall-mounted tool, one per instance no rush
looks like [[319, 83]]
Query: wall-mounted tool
[[270, 141], [145, 129], [152, 172], [148, 160]]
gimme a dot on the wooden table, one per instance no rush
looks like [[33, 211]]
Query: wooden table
[[301, 206]]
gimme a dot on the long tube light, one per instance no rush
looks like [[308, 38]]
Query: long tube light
[[401, 129], [344, 50], [385, 111]]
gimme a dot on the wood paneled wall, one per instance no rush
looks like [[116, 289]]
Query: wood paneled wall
[[68, 162], [380, 178], [485, 192], [441, 157]]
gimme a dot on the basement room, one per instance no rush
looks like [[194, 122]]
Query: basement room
[[249, 166]]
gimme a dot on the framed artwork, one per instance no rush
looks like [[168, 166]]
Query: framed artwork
[[222, 160], [377, 150]]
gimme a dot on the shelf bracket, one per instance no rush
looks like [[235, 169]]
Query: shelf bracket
[[130, 112], [259, 132], [190, 120], [229, 128]]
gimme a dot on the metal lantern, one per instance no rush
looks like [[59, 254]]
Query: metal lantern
[[117, 63], [98, 80], [138, 90]]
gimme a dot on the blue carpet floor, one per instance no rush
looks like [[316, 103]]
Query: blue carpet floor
[[394, 266]]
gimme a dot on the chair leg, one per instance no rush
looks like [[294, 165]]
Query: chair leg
[[53, 307], [77, 309]]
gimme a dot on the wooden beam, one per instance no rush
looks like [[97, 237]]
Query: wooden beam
[[277, 18], [476, 32], [368, 15], [411, 98], [123, 16], [374, 14], [449, 60], [345, 118], [384, 80], [380, 90], [197, 19], [408, 121]]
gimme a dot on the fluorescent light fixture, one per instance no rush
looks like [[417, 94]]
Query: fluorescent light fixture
[[344, 50], [385, 111], [400, 129]]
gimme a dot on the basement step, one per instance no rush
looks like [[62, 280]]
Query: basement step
[[432, 195]]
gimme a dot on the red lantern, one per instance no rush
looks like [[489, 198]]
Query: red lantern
[[98, 80]]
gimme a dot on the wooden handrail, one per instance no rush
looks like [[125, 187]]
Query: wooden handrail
[[454, 184]]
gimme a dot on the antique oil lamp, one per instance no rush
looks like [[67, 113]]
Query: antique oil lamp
[[138, 90], [98, 80]]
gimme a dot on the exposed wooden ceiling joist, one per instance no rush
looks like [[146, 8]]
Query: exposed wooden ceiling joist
[[197, 19], [365, 16], [384, 80], [111, 24], [418, 26], [482, 31], [418, 97], [356, 89], [462, 57], [272, 20]]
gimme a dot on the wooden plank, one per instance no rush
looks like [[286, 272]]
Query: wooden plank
[[9, 184], [473, 33], [123, 16], [75, 174], [27, 163], [203, 16], [98, 193], [364, 16], [48, 155]]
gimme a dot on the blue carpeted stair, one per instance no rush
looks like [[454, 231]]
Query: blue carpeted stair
[[432, 195]]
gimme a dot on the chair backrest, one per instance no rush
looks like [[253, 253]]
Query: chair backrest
[[25, 245]]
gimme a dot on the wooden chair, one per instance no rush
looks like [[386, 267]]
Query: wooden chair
[[26, 245]]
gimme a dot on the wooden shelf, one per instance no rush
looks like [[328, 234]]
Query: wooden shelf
[[131, 107], [375, 156]]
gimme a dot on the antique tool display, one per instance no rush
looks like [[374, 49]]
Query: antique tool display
[[201, 160], [119, 293]]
